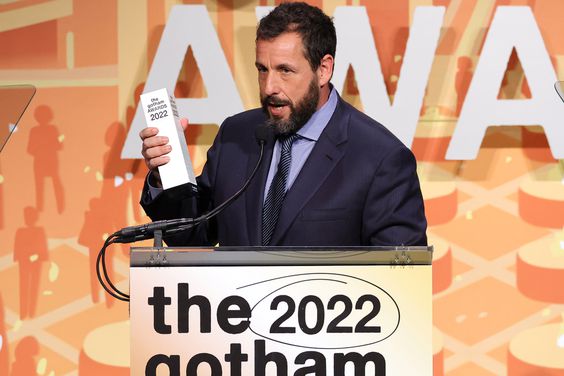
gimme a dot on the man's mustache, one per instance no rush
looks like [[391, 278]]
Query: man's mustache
[[275, 101]]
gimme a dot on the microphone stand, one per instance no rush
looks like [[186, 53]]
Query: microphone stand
[[158, 239]]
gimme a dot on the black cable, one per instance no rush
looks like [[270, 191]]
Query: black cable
[[147, 231], [181, 228], [219, 208], [106, 275], [131, 234], [101, 260], [117, 237]]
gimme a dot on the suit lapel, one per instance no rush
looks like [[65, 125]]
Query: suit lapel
[[325, 155], [254, 196]]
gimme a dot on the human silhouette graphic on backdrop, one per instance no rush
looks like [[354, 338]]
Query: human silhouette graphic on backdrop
[[1, 200], [135, 165], [114, 190], [44, 146], [462, 81], [91, 236], [30, 251], [4, 352], [26, 351], [394, 65]]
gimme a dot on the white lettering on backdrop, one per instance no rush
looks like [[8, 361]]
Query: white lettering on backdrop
[[512, 27]]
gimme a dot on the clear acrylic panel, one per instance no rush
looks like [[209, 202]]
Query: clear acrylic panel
[[13, 103], [559, 86]]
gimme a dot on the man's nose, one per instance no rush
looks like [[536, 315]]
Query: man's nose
[[271, 84]]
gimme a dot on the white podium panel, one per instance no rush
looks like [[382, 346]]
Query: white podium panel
[[281, 313]]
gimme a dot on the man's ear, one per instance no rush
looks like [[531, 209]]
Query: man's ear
[[325, 70]]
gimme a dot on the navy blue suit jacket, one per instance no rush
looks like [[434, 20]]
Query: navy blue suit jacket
[[359, 186]]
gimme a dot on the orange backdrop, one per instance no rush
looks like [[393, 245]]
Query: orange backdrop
[[496, 221]]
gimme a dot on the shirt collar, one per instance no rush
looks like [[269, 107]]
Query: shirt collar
[[320, 118]]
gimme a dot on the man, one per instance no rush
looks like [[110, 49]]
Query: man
[[344, 180]]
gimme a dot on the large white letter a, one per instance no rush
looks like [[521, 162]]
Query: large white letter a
[[512, 27]]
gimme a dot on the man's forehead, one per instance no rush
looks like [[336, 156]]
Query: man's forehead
[[285, 43], [285, 37]]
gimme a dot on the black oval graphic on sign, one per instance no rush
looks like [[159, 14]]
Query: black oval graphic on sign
[[327, 311]]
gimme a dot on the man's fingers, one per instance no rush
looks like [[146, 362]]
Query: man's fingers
[[148, 132], [156, 162], [155, 148], [156, 151], [184, 123], [154, 141]]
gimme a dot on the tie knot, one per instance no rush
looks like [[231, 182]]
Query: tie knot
[[288, 140]]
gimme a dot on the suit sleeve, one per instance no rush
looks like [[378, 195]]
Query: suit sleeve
[[187, 201], [394, 213]]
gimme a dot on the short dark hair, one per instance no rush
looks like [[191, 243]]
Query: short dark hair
[[314, 27]]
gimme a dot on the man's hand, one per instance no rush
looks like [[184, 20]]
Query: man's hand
[[155, 148]]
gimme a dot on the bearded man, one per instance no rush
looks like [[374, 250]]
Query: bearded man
[[332, 176]]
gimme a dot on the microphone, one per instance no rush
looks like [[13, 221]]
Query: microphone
[[135, 233], [263, 134]]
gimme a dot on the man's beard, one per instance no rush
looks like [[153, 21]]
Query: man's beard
[[299, 114]]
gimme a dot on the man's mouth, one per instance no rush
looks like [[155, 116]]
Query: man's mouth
[[276, 107], [276, 110]]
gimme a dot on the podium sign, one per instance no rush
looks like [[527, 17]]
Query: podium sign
[[355, 312]]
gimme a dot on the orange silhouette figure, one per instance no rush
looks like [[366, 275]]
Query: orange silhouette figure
[[44, 145], [30, 251], [135, 166], [513, 73], [92, 236], [396, 59], [462, 81], [4, 352], [1, 202], [114, 191], [26, 351], [389, 21]]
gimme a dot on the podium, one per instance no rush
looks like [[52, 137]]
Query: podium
[[281, 311]]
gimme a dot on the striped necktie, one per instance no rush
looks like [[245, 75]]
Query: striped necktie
[[277, 190]]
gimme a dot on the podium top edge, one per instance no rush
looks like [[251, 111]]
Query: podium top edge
[[293, 248], [256, 256]]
